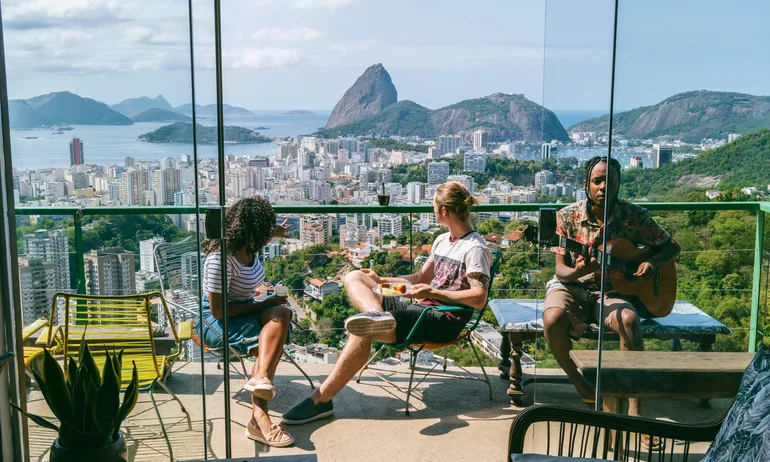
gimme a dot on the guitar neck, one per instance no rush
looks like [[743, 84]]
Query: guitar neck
[[586, 251]]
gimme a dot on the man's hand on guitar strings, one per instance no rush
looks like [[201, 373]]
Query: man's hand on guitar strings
[[645, 270]]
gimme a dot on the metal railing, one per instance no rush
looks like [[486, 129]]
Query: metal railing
[[79, 213]]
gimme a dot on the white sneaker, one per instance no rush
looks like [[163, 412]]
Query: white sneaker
[[370, 323]]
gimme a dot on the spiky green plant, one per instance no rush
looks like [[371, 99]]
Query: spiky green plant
[[86, 403]]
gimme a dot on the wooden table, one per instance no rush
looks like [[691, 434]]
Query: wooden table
[[521, 320], [650, 374]]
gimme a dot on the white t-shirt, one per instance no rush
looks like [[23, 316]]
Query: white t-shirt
[[454, 261], [242, 280]]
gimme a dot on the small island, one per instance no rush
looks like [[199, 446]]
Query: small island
[[299, 113], [262, 128], [181, 132]]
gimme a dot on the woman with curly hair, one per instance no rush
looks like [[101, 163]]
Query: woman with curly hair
[[255, 327]]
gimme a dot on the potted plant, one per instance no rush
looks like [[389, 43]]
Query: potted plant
[[87, 405]]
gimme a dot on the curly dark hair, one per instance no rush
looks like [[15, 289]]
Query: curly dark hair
[[250, 223]]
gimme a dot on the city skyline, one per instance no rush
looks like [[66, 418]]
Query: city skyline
[[303, 54]]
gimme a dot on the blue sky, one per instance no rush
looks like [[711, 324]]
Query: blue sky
[[303, 54]]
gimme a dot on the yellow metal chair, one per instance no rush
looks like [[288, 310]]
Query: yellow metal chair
[[118, 323], [32, 352]]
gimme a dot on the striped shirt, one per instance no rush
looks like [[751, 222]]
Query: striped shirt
[[242, 280]]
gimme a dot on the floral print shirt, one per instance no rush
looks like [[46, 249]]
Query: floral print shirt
[[628, 221]]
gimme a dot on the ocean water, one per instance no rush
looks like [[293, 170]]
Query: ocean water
[[570, 118], [106, 144]]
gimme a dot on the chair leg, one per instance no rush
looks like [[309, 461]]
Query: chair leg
[[412, 364], [371, 360], [486, 377], [243, 366], [291, 360], [173, 395], [445, 359], [162, 427]]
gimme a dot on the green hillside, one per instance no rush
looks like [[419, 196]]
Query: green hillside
[[690, 116], [405, 118], [181, 132], [744, 162]]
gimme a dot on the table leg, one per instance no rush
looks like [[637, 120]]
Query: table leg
[[706, 344], [515, 391], [505, 354]]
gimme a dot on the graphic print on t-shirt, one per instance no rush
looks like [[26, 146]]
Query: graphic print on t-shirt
[[448, 273]]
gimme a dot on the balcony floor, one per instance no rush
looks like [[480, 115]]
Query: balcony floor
[[450, 419]]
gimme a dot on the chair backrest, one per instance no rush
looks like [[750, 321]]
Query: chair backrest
[[178, 271], [493, 270], [120, 322]]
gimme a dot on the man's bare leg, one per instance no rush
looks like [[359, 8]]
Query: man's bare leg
[[351, 360], [621, 317], [359, 289], [556, 324]]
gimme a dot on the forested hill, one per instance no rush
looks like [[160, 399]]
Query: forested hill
[[743, 162]]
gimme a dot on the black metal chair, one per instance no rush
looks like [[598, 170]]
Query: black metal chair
[[573, 434]]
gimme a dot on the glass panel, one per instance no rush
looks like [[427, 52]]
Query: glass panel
[[673, 148], [94, 91]]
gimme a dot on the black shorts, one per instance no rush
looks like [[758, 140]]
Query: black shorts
[[435, 327]]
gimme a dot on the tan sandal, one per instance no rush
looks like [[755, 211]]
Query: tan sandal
[[260, 387], [277, 437]]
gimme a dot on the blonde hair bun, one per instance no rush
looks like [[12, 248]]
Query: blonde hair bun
[[455, 198]]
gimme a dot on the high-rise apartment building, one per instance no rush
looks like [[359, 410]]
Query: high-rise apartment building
[[475, 161], [147, 253], [543, 178], [189, 274], [549, 151], [438, 172], [389, 224], [480, 140], [316, 229], [129, 162], [663, 154], [110, 272], [134, 184], [76, 152], [636, 162], [415, 192], [37, 280], [50, 247], [449, 143], [167, 183]]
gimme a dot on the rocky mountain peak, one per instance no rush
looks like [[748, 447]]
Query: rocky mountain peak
[[371, 93]]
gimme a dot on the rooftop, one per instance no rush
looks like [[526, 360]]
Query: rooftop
[[450, 419]]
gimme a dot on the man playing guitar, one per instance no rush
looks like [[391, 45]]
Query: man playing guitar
[[573, 295]]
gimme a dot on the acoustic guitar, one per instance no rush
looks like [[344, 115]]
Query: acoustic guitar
[[623, 258]]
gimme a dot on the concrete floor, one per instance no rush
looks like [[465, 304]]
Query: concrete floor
[[450, 419]]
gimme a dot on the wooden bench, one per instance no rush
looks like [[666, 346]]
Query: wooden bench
[[654, 374], [522, 319]]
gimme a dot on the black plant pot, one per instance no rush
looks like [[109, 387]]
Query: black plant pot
[[114, 452]]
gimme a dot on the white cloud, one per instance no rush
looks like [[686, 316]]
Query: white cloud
[[282, 34], [265, 58]]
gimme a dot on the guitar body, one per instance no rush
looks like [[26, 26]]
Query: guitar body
[[644, 289]]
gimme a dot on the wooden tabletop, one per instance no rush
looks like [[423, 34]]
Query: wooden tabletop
[[665, 373], [689, 361]]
